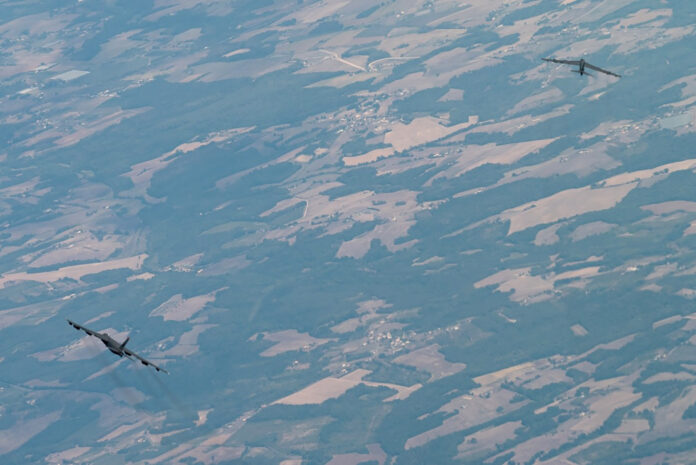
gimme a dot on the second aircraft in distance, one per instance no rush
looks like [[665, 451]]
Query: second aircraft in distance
[[581, 64]]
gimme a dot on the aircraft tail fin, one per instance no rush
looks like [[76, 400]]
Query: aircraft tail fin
[[125, 342]]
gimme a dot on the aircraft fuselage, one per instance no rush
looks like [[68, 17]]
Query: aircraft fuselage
[[582, 66], [113, 346]]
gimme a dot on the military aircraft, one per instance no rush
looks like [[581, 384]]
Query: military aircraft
[[582, 64], [116, 347]]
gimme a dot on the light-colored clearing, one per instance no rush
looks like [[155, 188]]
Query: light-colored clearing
[[421, 131], [187, 344], [669, 376], [578, 330], [177, 308], [393, 211], [332, 388], [202, 417], [564, 204], [290, 340], [591, 229], [239, 51], [142, 276], [667, 321], [121, 430], [573, 202], [369, 157], [374, 454], [70, 75], [650, 405], [67, 455], [452, 95], [544, 98], [487, 439], [471, 410], [431, 360], [75, 272], [548, 236], [602, 408], [344, 80], [15, 436], [513, 371], [670, 207], [474, 156], [367, 310], [633, 426], [529, 288], [429, 261], [687, 293]]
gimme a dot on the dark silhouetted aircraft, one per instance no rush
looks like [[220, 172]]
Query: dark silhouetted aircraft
[[581, 64], [116, 347]]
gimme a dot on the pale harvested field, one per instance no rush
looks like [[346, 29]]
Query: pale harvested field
[[342, 81], [418, 132], [374, 454], [367, 310], [633, 426], [581, 164], [19, 433], [474, 156], [290, 340], [548, 236], [75, 272], [602, 408], [178, 308], [395, 212], [142, 276], [546, 377], [429, 359], [660, 271], [82, 246], [452, 95], [543, 98], [514, 125], [67, 455], [331, 388], [369, 157], [471, 410], [504, 374], [668, 376], [578, 330], [527, 288], [487, 439], [670, 207], [187, 344], [590, 229], [669, 419], [565, 204]]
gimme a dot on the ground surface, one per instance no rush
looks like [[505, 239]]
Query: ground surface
[[354, 232]]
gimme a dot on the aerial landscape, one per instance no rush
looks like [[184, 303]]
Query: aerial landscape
[[348, 232]]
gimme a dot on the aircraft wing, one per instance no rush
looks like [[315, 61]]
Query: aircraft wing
[[87, 330], [145, 362], [597, 68], [565, 62]]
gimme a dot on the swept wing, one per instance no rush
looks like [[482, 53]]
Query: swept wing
[[565, 62], [145, 362], [597, 68], [88, 331]]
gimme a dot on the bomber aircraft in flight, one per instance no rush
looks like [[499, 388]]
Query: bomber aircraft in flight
[[581, 64], [116, 347]]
